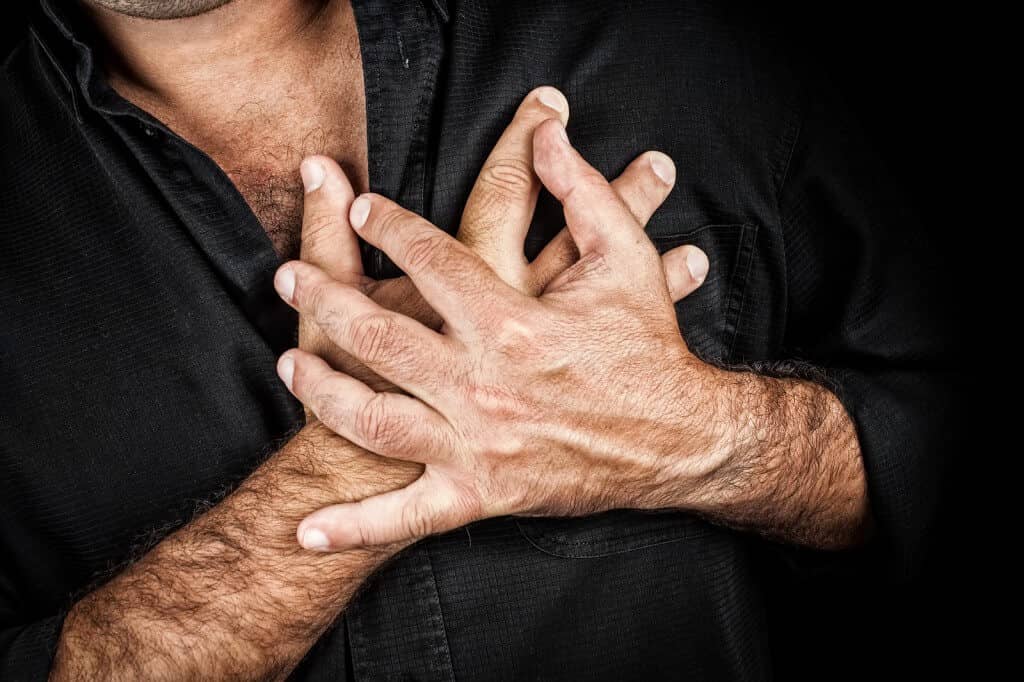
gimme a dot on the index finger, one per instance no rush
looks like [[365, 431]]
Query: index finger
[[598, 219], [456, 282], [501, 205]]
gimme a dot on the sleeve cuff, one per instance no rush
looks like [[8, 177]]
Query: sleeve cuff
[[27, 651]]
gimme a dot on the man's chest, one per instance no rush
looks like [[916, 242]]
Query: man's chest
[[144, 379], [267, 176], [258, 128]]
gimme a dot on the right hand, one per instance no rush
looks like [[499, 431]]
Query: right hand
[[494, 224]]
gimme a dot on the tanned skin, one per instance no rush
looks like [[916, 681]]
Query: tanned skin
[[582, 399], [232, 595], [258, 85]]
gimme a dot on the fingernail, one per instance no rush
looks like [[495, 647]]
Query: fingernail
[[284, 282], [313, 174], [563, 135], [552, 99], [697, 264], [359, 212], [313, 538], [286, 370], [663, 168]]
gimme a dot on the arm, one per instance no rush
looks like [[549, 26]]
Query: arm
[[585, 400], [872, 317], [789, 463], [869, 318], [231, 595]]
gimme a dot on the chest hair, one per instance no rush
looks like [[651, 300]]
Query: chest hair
[[262, 156]]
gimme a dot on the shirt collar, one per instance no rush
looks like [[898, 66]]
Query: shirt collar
[[70, 55], [66, 39], [441, 7]]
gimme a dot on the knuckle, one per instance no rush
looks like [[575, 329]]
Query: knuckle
[[511, 177], [642, 196], [388, 218], [368, 535], [500, 449], [317, 228], [315, 296], [516, 335], [423, 252], [325, 406], [589, 189], [416, 521], [497, 402], [595, 183], [319, 303], [373, 423], [373, 337]]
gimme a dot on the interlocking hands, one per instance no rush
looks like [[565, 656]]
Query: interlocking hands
[[561, 386]]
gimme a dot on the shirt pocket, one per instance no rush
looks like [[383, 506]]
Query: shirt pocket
[[610, 532], [709, 318]]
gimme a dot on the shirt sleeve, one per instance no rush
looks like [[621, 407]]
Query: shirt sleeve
[[26, 651], [868, 297]]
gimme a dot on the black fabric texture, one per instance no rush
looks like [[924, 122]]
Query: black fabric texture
[[139, 331]]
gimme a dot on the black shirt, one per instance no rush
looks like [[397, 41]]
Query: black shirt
[[139, 329]]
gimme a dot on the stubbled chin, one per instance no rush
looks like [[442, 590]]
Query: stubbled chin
[[160, 9]]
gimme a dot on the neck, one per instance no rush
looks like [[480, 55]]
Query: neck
[[257, 85], [172, 62]]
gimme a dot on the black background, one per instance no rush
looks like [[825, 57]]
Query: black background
[[908, 83], [906, 70]]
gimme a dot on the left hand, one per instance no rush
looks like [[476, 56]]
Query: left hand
[[581, 400], [494, 224]]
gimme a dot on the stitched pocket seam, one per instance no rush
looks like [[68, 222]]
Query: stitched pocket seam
[[552, 546]]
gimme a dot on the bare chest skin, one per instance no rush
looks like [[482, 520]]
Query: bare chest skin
[[261, 146], [270, 113], [261, 154]]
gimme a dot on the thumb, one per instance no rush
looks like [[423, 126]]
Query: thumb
[[328, 240], [422, 508]]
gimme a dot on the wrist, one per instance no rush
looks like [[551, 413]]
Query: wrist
[[717, 413], [343, 471], [315, 469]]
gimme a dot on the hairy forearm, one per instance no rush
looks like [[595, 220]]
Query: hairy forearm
[[789, 465], [232, 595]]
